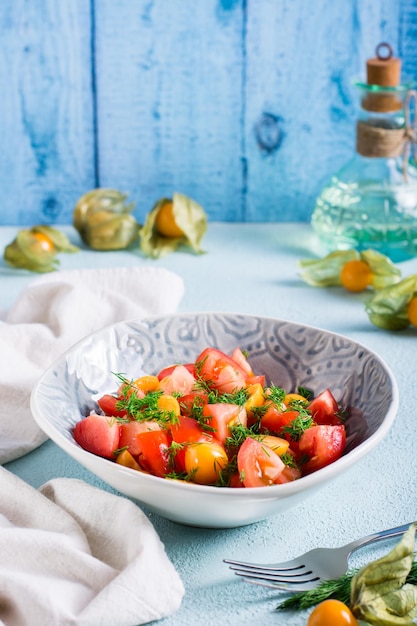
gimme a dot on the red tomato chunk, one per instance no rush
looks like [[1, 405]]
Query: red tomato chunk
[[215, 422]]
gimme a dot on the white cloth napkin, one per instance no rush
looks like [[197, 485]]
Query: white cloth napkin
[[73, 555], [53, 313]]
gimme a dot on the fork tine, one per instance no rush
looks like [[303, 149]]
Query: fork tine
[[297, 579], [271, 574], [282, 586], [287, 566]]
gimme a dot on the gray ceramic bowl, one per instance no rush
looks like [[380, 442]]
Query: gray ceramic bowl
[[289, 354]]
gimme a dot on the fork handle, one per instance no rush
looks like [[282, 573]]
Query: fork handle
[[383, 534]]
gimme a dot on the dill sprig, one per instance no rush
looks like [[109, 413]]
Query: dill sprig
[[239, 397], [338, 589], [276, 395], [299, 425], [146, 408], [308, 394]]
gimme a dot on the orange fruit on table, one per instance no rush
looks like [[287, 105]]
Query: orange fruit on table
[[332, 613], [165, 222], [43, 241], [412, 311], [356, 275]]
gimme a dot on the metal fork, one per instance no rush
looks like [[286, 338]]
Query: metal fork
[[310, 569]]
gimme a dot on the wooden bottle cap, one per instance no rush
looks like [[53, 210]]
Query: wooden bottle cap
[[384, 69]]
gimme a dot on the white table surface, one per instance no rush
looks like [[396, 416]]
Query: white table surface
[[251, 268]]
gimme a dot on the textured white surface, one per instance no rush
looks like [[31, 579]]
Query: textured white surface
[[252, 268]]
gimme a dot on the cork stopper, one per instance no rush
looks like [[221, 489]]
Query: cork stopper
[[384, 70]]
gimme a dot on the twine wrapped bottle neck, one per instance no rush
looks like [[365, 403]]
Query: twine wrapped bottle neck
[[376, 141]]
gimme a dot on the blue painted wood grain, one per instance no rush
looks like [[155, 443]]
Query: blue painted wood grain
[[170, 101], [245, 105], [46, 120], [301, 60]]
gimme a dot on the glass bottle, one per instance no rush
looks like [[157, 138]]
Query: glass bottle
[[371, 202]]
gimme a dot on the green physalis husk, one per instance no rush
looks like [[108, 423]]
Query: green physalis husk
[[190, 218], [325, 272], [379, 592], [35, 249], [104, 220], [387, 309]]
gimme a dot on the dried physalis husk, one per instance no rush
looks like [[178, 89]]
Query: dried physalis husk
[[104, 220], [379, 594], [388, 308], [35, 249], [326, 272], [171, 223]]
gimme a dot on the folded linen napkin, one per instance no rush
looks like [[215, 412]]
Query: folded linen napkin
[[53, 313], [73, 555]]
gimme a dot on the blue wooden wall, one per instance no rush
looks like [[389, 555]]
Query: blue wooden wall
[[245, 105]]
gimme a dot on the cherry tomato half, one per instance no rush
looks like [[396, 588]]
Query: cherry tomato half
[[332, 613], [324, 408], [204, 461], [258, 465], [323, 445], [220, 371], [153, 446]]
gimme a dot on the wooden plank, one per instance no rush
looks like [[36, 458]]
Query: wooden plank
[[408, 39], [46, 133], [302, 57], [169, 85]]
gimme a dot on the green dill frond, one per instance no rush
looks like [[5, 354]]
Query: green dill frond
[[198, 365], [227, 472], [147, 408], [288, 459], [195, 410], [238, 434], [307, 393], [203, 385], [178, 476], [173, 450], [338, 589], [119, 450], [299, 425], [239, 397], [259, 411], [276, 395], [297, 405]]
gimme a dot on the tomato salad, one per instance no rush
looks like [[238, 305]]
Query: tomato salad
[[214, 422]]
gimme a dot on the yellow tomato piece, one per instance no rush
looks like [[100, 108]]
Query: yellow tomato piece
[[204, 461], [170, 404], [412, 311], [332, 613], [126, 459], [277, 444], [294, 397], [165, 222], [356, 275], [256, 397], [147, 383]]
